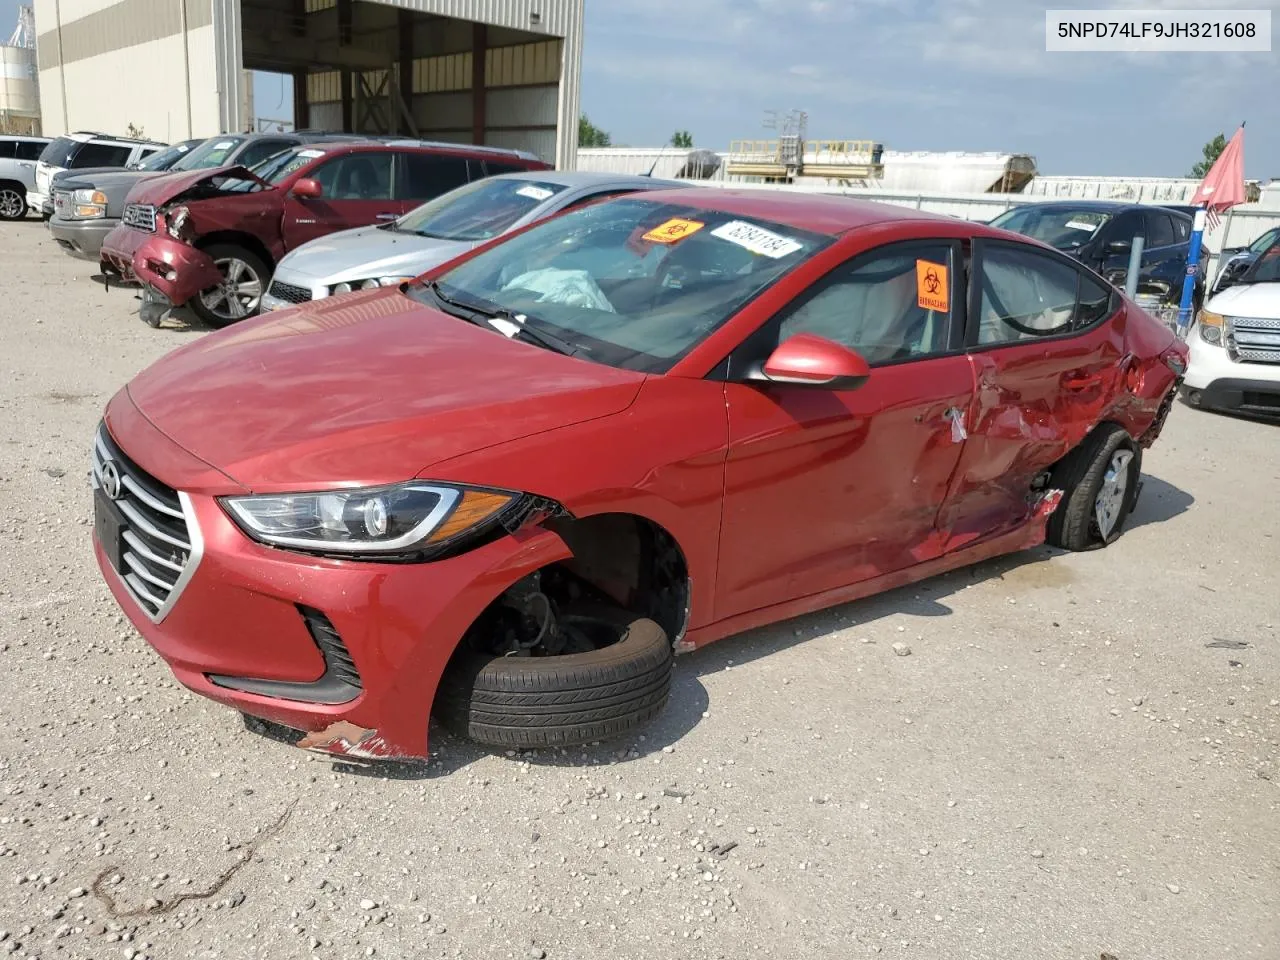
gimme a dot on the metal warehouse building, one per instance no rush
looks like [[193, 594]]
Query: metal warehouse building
[[499, 72]]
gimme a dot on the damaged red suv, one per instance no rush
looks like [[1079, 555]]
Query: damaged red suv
[[210, 239], [513, 489]]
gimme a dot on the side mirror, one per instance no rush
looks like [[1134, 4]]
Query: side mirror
[[1119, 246], [307, 189], [810, 360]]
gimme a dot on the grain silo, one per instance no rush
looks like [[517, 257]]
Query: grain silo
[[19, 94]]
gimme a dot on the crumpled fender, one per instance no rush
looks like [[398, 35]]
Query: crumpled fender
[[160, 258]]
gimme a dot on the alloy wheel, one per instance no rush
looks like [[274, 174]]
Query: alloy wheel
[[11, 204], [1109, 503], [237, 296]]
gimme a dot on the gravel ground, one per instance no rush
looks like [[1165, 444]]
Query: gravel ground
[[1077, 756]]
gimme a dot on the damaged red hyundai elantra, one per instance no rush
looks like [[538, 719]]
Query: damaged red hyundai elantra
[[511, 491]]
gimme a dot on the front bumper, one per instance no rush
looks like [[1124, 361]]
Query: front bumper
[[291, 290], [1217, 382], [244, 617], [82, 238], [173, 269]]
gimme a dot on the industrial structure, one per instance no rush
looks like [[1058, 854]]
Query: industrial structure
[[19, 94], [498, 72]]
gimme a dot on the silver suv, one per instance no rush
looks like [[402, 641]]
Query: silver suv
[[18, 156], [76, 151]]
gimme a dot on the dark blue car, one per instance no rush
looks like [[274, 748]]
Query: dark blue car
[[1100, 233]]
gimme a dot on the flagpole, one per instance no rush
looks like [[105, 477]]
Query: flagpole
[[1207, 200]]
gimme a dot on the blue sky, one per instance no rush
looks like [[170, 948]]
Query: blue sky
[[914, 74]]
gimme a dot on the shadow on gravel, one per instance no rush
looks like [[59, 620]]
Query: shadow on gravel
[[1158, 502]]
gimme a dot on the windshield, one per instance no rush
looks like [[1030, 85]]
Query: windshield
[[164, 159], [1264, 241], [632, 283], [59, 152], [1266, 269], [212, 153], [478, 211], [280, 165], [1066, 229]]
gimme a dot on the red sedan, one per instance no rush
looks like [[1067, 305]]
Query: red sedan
[[511, 491]]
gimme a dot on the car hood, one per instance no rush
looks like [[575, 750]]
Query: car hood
[[364, 389], [161, 189], [89, 173], [113, 179], [1261, 300], [368, 252]]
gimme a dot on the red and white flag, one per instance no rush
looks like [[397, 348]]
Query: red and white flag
[[1223, 187]]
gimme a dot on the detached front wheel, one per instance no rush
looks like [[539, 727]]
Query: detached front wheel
[[239, 294], [1099, 480], [542, 701]]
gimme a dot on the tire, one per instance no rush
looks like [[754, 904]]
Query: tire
[[13, 201], [218, 306], [528, 702], [1081, 475]]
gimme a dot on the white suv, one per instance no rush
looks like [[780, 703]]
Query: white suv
[[1235, 344], [18, 156], [76, 151]]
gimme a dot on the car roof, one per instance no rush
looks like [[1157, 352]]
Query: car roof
[[588, 178], [1102, 206], [816, 212]]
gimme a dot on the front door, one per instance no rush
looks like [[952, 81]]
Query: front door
[[1046, 361], [826, 488], [356, 192]]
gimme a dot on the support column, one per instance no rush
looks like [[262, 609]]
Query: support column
[[405, 65], [301, 104], [347, 126], [479, 48]]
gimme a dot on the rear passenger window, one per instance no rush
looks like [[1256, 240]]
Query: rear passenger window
[[1160, 229], [29, 149], [426, 175], [7, 149], [1027, 294], [100, 155], [1182, 229], [492, 169], [891, 304]]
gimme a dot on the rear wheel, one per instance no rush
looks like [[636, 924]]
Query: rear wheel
[[1099, 480], [13, 202], [238, 296]]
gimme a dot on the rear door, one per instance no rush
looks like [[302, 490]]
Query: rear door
[[825, 488], [356, 192], [1047, 356]]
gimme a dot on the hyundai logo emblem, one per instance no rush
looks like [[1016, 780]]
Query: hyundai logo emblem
[[111, 479]]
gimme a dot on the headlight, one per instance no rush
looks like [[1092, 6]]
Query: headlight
[[88, 204], [407, 518], [341, 288], [179, 224], [1211, 325]]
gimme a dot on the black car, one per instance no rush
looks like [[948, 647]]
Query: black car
[[1100, 234], [1236, 260]]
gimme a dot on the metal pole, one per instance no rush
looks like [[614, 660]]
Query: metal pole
[[1135, 265], [1193, 266]]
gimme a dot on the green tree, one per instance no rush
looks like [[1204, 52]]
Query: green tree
[[1212, 150], [683, 139], [589, 135]]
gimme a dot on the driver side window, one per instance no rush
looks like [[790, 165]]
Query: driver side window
[[356, 176], [890, 305]]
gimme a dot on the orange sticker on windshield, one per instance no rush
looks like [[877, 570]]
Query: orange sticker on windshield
[[932, 291], [673, 231]]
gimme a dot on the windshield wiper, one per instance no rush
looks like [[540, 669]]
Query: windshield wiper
[[486, 314]]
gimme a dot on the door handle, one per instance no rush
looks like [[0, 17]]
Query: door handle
[[387, 216]]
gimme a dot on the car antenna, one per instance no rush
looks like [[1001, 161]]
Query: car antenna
[[654, 165]]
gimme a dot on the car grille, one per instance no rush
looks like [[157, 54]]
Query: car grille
[[288, 292], [159, 553], [140, 216], [1253, 340]]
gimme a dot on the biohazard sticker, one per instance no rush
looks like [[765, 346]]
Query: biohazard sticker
[[673, 231], [932, 291]]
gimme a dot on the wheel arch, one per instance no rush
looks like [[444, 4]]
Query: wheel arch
[[238, 238]]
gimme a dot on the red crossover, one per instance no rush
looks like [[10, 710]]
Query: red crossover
[[211, 238], [512, 490]]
